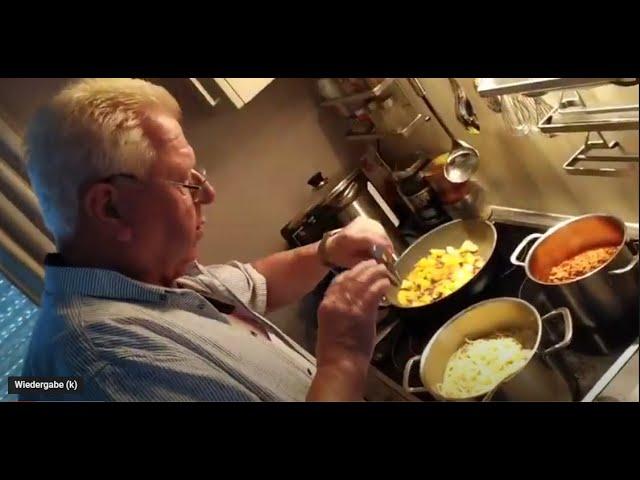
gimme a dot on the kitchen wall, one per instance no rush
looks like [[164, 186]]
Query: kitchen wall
[[526, 172], [260, 157]]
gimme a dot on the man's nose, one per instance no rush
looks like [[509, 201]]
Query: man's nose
[[207, 194]]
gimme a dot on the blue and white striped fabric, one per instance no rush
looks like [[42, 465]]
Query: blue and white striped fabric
[[132, 341]]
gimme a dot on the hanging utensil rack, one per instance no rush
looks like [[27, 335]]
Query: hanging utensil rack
[[572, 115]]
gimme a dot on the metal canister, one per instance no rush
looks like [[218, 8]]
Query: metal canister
[[338, 204]]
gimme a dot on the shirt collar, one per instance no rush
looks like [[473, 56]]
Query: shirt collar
[[61, 278]]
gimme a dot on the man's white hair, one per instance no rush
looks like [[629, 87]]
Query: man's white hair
[[89, 131]]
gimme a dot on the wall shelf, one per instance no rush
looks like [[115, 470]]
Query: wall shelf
[[362, 96], [403, 132], [490, 87], [599, 150], [607, 119]]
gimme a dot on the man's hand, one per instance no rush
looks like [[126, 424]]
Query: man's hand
[[353, 243], [346, 332]]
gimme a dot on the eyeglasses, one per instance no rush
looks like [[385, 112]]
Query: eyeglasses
[[195, 188]]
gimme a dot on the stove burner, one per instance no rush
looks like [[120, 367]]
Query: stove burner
[[582, 364]]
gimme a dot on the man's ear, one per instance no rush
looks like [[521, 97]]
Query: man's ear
[[101, 204]]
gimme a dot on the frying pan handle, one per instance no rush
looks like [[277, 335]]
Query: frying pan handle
[[385, 303], [383, 257], [405, 377], [568, 329], [519, 248]]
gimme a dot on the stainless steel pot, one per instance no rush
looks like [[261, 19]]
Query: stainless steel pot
[[602, 297], [357, 197], [335, 205], [535, 381]]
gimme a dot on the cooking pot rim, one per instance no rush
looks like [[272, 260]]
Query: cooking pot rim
[[456, 317], [556, 228]]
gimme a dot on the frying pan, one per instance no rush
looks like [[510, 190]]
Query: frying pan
[[480, 232]]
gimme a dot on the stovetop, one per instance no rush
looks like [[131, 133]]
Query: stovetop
[[582, 364]]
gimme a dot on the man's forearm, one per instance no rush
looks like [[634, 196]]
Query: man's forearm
[[290, 275], [339, 383]]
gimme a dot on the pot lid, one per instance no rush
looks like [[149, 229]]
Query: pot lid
[[334, 194]]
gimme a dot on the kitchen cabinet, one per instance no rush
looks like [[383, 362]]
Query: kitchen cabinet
[[239, 90]]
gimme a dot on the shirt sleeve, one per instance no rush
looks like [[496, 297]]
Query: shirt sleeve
[[234, 279]]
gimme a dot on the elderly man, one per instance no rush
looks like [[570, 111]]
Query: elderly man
[[127, 307]]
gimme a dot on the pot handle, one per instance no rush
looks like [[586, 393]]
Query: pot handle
[[632, 264], [405, 377], [568, 329], [519, 248]]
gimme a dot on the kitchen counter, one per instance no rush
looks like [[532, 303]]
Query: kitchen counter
[[623, 387]]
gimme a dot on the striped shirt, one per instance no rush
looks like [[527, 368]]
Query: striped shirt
[[132, 341]]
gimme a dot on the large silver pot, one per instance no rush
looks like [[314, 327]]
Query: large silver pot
[[537, 380], [601, 298]]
